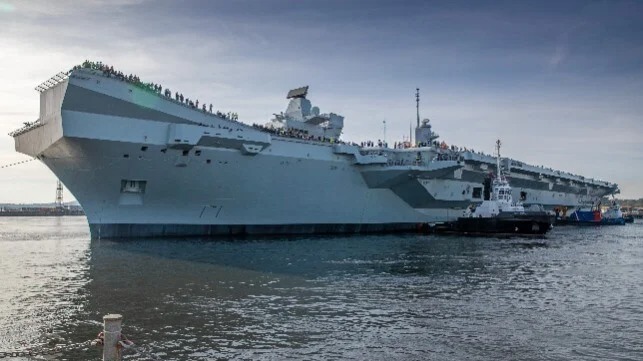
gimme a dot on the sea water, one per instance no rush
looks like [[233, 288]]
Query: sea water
[[575, 294]]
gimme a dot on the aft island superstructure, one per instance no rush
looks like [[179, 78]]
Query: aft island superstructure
[[146, 164]]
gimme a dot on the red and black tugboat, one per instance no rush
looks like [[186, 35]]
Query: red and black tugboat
[[500, 215]]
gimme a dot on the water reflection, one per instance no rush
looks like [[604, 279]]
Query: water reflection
[[314, 297], [367, 297], [44, 269]]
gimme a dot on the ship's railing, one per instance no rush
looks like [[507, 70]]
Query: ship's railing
[[395, 153], [158, 90], [52, 82], [218, 114], [28, 126], [404, 162], [478, 157], [548, 172], [300, 140]]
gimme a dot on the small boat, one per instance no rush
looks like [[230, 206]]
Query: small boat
[[593, 216], [500, 215], [613, 215], [629, 213], [590, 216]]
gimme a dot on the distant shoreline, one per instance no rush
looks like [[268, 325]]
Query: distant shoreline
[[42, 212]]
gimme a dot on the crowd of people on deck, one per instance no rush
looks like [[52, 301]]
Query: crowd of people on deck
[[407, 145], [371, 144], [304, 135], [448, 153], [297, 134], [109, 72]]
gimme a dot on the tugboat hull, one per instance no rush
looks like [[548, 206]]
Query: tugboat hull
[[505, 224], [594, 218], [613, 221]]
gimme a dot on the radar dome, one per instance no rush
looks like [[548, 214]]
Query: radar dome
[[315, 111]]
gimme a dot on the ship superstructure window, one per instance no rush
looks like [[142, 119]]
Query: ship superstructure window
[[523, 196], [477, 192], [186, 152], [133, 186], [144, 148]]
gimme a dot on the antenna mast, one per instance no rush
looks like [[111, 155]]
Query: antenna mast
[[417, 105], [59, 195], [410, 133], [498, 158], [384, 124]]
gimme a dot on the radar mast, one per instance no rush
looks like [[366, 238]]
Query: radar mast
[[417, 105], [498, 158]]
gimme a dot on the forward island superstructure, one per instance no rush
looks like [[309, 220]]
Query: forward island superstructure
[[146, 164]]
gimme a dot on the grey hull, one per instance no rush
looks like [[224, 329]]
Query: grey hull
[[113, 231]]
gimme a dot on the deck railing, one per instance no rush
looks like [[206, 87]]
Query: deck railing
[[26, 128]]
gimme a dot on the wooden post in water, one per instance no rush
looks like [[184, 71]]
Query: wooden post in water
[[112, 334]]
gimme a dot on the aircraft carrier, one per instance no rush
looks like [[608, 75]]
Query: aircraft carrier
[[147, 163]]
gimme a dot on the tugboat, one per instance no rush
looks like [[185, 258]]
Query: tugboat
[[613, 215], [500, 215], [593, 217]]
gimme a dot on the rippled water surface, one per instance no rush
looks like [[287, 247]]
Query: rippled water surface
[[576, 294]]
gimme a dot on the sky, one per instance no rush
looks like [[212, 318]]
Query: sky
[[559, 82]]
